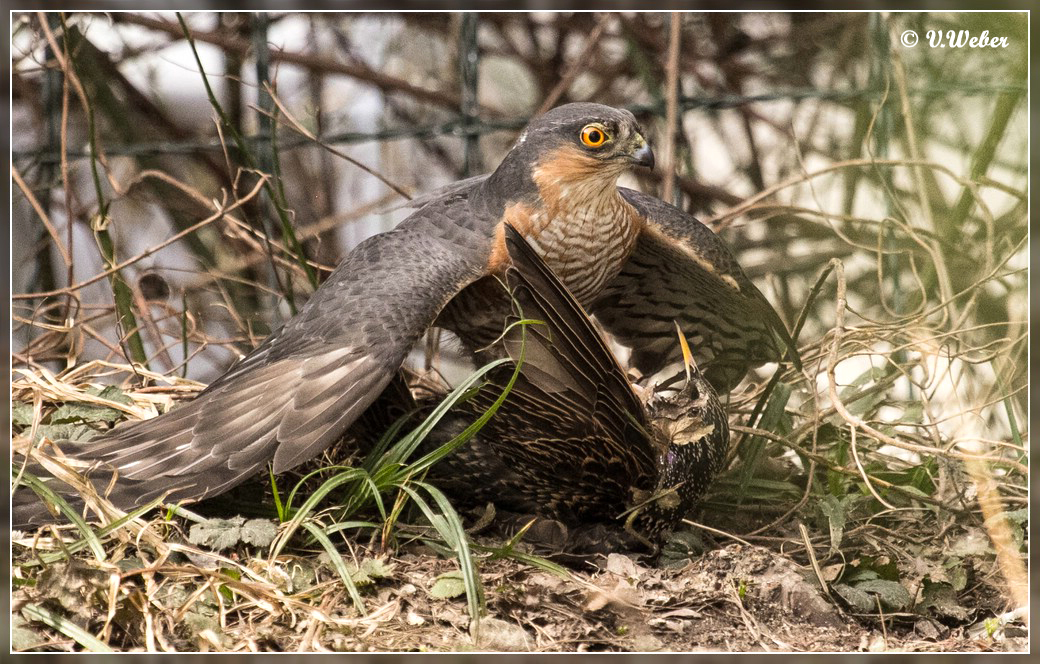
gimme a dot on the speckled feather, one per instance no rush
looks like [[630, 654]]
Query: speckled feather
[[572, 441]]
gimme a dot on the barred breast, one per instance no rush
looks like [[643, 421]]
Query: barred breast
[[585, 234], [586, 248]]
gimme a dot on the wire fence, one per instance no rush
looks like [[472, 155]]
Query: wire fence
[[467, 126]]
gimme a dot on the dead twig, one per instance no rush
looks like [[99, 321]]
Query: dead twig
[[564, 84], [668, 162], [221, 211]]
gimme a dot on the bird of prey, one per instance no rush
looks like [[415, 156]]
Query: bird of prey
[[573, 442], [635, 262]]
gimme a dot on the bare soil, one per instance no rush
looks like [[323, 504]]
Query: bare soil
[[735, 598]]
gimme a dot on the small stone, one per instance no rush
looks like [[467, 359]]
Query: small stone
[[622, 566], [500, 635], [414, 618], [646, 643]]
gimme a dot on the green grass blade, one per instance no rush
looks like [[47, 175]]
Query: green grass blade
[[337, 563], [771, 418], [308, 506], [347, 525], [279, 507], [50, 495], [404, 448], [449, 527], [375, 455], [303, 480], [433, 457], [65, 626]]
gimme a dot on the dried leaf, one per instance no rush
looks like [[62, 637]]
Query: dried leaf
[[972, 543], [81, 411], [23, 637], [370, 570], [622, 566], [833, 511], [941, 600], [21, 413], [859, 600]]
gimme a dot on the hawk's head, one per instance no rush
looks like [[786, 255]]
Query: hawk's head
[[581, 141], [603, 135]]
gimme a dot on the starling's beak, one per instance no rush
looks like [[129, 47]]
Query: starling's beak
[[642, 155], [688, 361]]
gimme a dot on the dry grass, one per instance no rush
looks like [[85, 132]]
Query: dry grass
[[886, 221]]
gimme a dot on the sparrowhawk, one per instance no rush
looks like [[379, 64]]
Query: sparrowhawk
[[638, 264]]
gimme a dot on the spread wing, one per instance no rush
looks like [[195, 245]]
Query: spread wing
[[298, 391], [681, 271], [572, 433]]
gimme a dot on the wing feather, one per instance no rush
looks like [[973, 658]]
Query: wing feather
[[580, 439], [298, 391], [681, 271]]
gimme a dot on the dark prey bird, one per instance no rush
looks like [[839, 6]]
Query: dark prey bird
[[573, 442], [635, 262]]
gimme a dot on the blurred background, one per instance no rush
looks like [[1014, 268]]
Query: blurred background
[[175, 199], [791, 105]]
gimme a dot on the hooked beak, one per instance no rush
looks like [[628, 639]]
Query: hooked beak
[[643, 155]]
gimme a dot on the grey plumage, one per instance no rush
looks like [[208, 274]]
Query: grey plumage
[[681, 271], [300, 390]]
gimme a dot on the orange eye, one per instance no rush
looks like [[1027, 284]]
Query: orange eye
[[593, 136]]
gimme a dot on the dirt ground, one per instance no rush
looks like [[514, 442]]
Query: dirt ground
[[735, 598]]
